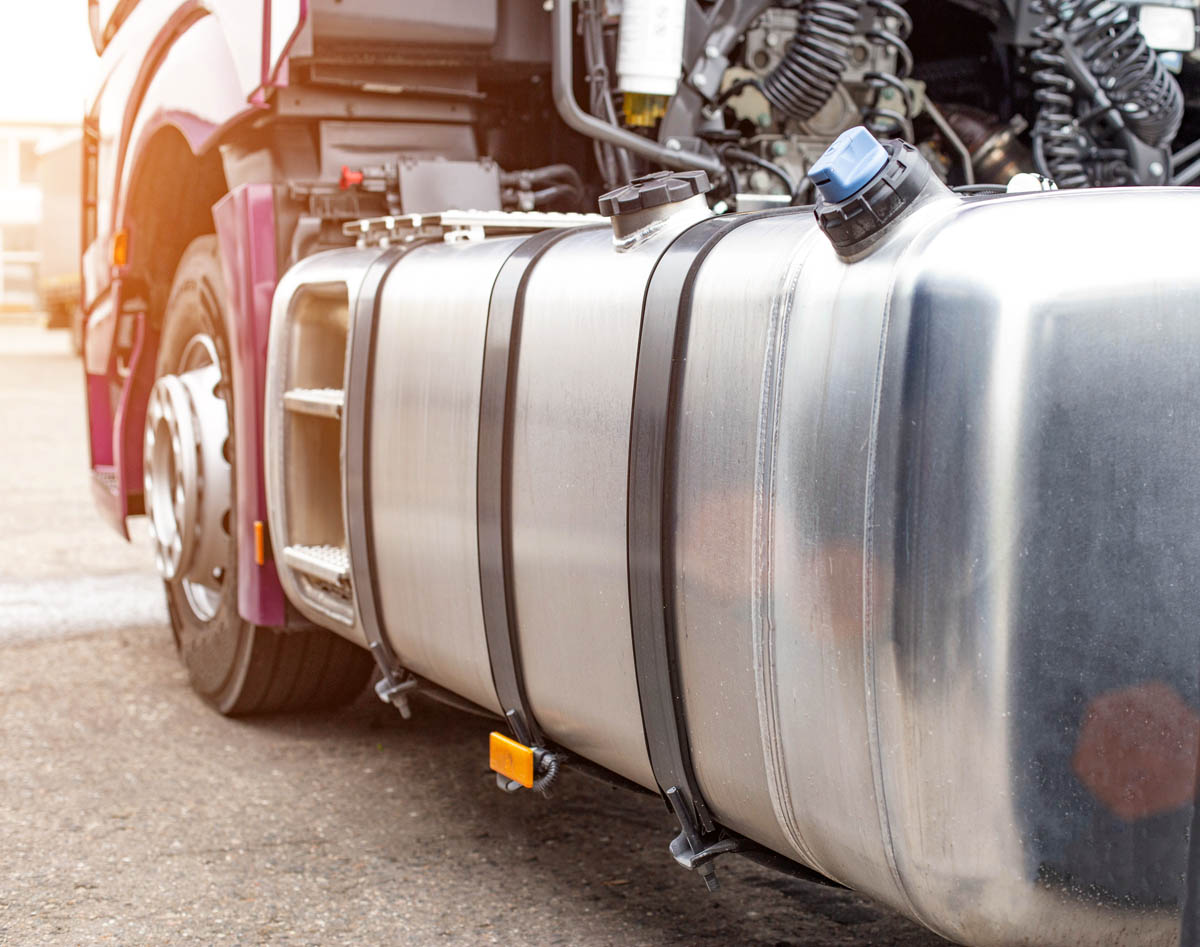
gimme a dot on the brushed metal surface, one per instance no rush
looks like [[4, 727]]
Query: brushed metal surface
[[935, 540], [336, 273], [575, 375], [934, 523], [570, 467], [424, 433]]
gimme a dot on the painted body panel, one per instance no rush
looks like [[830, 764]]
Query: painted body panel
[[198, 67]]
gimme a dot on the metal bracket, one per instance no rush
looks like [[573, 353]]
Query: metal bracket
[[394, 686], [695, 851], [456, 225]]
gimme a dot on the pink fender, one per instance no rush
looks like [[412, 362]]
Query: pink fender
[[199, 67]]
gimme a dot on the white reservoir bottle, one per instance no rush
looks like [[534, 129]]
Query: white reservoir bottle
[[650, 46]]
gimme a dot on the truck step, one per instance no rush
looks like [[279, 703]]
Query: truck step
[[329, 564], [320, 402]]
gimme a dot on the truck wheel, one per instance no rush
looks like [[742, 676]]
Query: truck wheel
[[190, 497]]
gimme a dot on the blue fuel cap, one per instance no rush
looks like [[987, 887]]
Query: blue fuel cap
[[848, 165]]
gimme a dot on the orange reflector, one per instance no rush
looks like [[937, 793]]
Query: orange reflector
[[120, 248], [511, 759], [260, 551]]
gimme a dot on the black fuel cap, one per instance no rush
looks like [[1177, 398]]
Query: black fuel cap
[[653, 190]]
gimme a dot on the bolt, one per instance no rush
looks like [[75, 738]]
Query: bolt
[[708, 872], [779, 148], [699, 79], [674, 145], [711, 51], [772, 40], [1155, 169]]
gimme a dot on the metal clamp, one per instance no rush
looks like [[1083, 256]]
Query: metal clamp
[[392, 688]]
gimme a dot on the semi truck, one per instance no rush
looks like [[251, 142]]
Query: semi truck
[[788, 408]]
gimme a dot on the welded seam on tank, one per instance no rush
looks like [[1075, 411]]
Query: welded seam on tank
[[875, 749], [763, 549]]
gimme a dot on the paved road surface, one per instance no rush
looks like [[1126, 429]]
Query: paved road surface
[[131, 814]]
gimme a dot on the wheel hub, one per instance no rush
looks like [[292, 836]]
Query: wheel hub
[[188, 478]]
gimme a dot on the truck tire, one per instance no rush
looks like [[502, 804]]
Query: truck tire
[[240, 668]]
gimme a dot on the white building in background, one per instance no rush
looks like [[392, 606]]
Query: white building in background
[[21, 208]]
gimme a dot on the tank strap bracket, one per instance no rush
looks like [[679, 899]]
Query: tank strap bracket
[[395, 682], [653, 609], [695, 851]]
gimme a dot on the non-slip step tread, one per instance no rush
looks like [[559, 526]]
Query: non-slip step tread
[[327, 563]]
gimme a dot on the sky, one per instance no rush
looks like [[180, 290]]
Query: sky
[[46, 60]]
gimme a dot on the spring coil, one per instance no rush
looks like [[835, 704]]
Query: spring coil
[[1137, 83], [1060, 151], [875, 117], [1146, 98], [815, 58]]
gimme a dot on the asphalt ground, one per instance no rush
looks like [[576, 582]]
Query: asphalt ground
[[130, 813]]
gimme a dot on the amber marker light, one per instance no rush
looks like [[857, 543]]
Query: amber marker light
[[511, 759], [120, 248]]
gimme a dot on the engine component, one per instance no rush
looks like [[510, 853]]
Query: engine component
[[536, 188], [1108, 107], [650, 46], [880, 115], [613, 162], [996, 150], [607, 132], [418, 185], [815, 58]]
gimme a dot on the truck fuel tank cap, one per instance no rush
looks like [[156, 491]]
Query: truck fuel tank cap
[[848, 165], [648, 200], [864, 186]]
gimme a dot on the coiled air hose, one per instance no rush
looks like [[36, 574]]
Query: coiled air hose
[[1094, 50], [815, 58]]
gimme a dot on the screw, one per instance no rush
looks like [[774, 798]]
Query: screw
[[674, 145], [699, 79], [1155, 169], [711, 51], [779, 148]]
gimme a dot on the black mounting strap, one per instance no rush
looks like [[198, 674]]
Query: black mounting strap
[[662, 350], [497, 410], [356, 445]]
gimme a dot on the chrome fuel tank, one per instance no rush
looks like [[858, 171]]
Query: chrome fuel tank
[[927, 531]]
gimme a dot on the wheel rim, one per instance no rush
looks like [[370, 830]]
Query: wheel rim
[[188, 478]]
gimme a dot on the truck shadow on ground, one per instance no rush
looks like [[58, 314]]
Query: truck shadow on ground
[[592, 850]]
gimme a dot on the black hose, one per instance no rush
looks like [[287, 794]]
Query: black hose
[[748, 157], [815, 58], [1128, 70], [1097, 77], [512, 196], [549, 768], [562, 78], [737, 87], [980, 189], [529, 178]]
